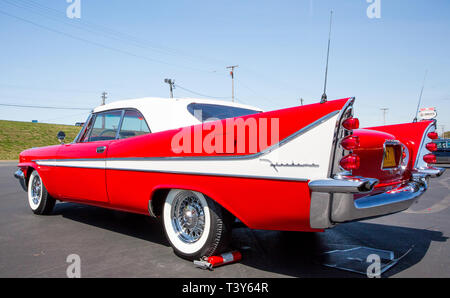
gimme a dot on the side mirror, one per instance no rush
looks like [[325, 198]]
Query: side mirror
[[61, 136]]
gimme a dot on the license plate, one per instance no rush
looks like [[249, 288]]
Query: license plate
[[389, 157]]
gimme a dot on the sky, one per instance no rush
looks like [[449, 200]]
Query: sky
[[128, 48]]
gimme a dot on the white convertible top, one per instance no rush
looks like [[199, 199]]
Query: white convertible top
[[166, 113]]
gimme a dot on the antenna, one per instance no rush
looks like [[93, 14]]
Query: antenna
[[324, 95], [420, 97]]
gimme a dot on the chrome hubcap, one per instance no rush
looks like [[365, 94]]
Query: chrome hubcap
[[188, 218], [36, 190]]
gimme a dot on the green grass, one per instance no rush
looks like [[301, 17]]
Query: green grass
[[18, 136]]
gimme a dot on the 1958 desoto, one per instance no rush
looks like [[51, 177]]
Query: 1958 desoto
[[200, 164]]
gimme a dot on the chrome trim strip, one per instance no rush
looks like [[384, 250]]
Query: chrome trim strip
[[247, 156], [422, 146], [350, 185], [335, 150], [192, 173]]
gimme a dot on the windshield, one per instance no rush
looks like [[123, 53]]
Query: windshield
[[203, 111]]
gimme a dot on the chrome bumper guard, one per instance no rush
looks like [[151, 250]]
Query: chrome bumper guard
[[19, 175], [332, 200], [431, 171]]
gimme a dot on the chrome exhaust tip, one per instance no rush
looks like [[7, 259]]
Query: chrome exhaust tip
[[367, 186]]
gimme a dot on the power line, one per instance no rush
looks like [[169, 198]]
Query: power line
[[55, 15], [254, 92], [43, 107], [200, 94], [82, 24], [19, 87], [110, 32], [98, 44]]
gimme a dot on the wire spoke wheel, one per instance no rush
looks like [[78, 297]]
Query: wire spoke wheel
[[39, 200], [36, 190], [194, 224], [188, 218]]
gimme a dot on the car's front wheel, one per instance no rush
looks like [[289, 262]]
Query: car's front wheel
[[195, 225], [38, 198]]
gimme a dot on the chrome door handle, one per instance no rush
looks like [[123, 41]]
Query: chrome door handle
[[101, 149]]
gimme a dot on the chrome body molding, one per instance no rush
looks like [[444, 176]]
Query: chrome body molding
[[340, 132], [419, 162], [20, 175]]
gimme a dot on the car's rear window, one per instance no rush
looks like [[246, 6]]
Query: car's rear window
[[203, 111]]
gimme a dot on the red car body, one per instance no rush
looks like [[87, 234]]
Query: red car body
[[308, 193]]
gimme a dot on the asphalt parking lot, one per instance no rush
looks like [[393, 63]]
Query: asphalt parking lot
[[117, 244]]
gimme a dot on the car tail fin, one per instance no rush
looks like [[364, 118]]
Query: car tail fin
[[417, 136]]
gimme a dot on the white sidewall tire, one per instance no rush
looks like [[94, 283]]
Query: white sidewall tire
[[32, 205], [183, 247]]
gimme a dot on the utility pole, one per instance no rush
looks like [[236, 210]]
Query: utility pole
[[384, 114], [232, 80], [104, 96], [171, 84], [301, 100], [324, 95]]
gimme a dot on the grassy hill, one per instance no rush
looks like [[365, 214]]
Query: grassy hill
[[18, 136]]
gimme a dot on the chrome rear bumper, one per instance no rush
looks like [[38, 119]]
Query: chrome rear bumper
[[19, 175], [330, 207]]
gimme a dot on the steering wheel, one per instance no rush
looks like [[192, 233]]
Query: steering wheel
[[105, 131]]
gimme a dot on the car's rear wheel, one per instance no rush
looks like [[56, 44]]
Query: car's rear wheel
[[38, 198], [195, 225]]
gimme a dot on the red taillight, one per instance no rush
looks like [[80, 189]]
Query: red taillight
[[350, 162], [433, 135], [429, 158], [350, 142], [351, 123], [431, 147]]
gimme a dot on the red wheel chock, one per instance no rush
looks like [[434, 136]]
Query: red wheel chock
[[215, 261]]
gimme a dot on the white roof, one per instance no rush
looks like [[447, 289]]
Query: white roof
[[166, 113]]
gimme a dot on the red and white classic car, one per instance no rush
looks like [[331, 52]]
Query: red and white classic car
[[200, 164]]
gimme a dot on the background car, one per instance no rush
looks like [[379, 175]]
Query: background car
[[443, 151]]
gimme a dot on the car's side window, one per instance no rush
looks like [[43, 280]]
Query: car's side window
[[133, 124], [105, 126]]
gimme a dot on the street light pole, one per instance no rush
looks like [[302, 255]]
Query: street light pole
[[171, 84]]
